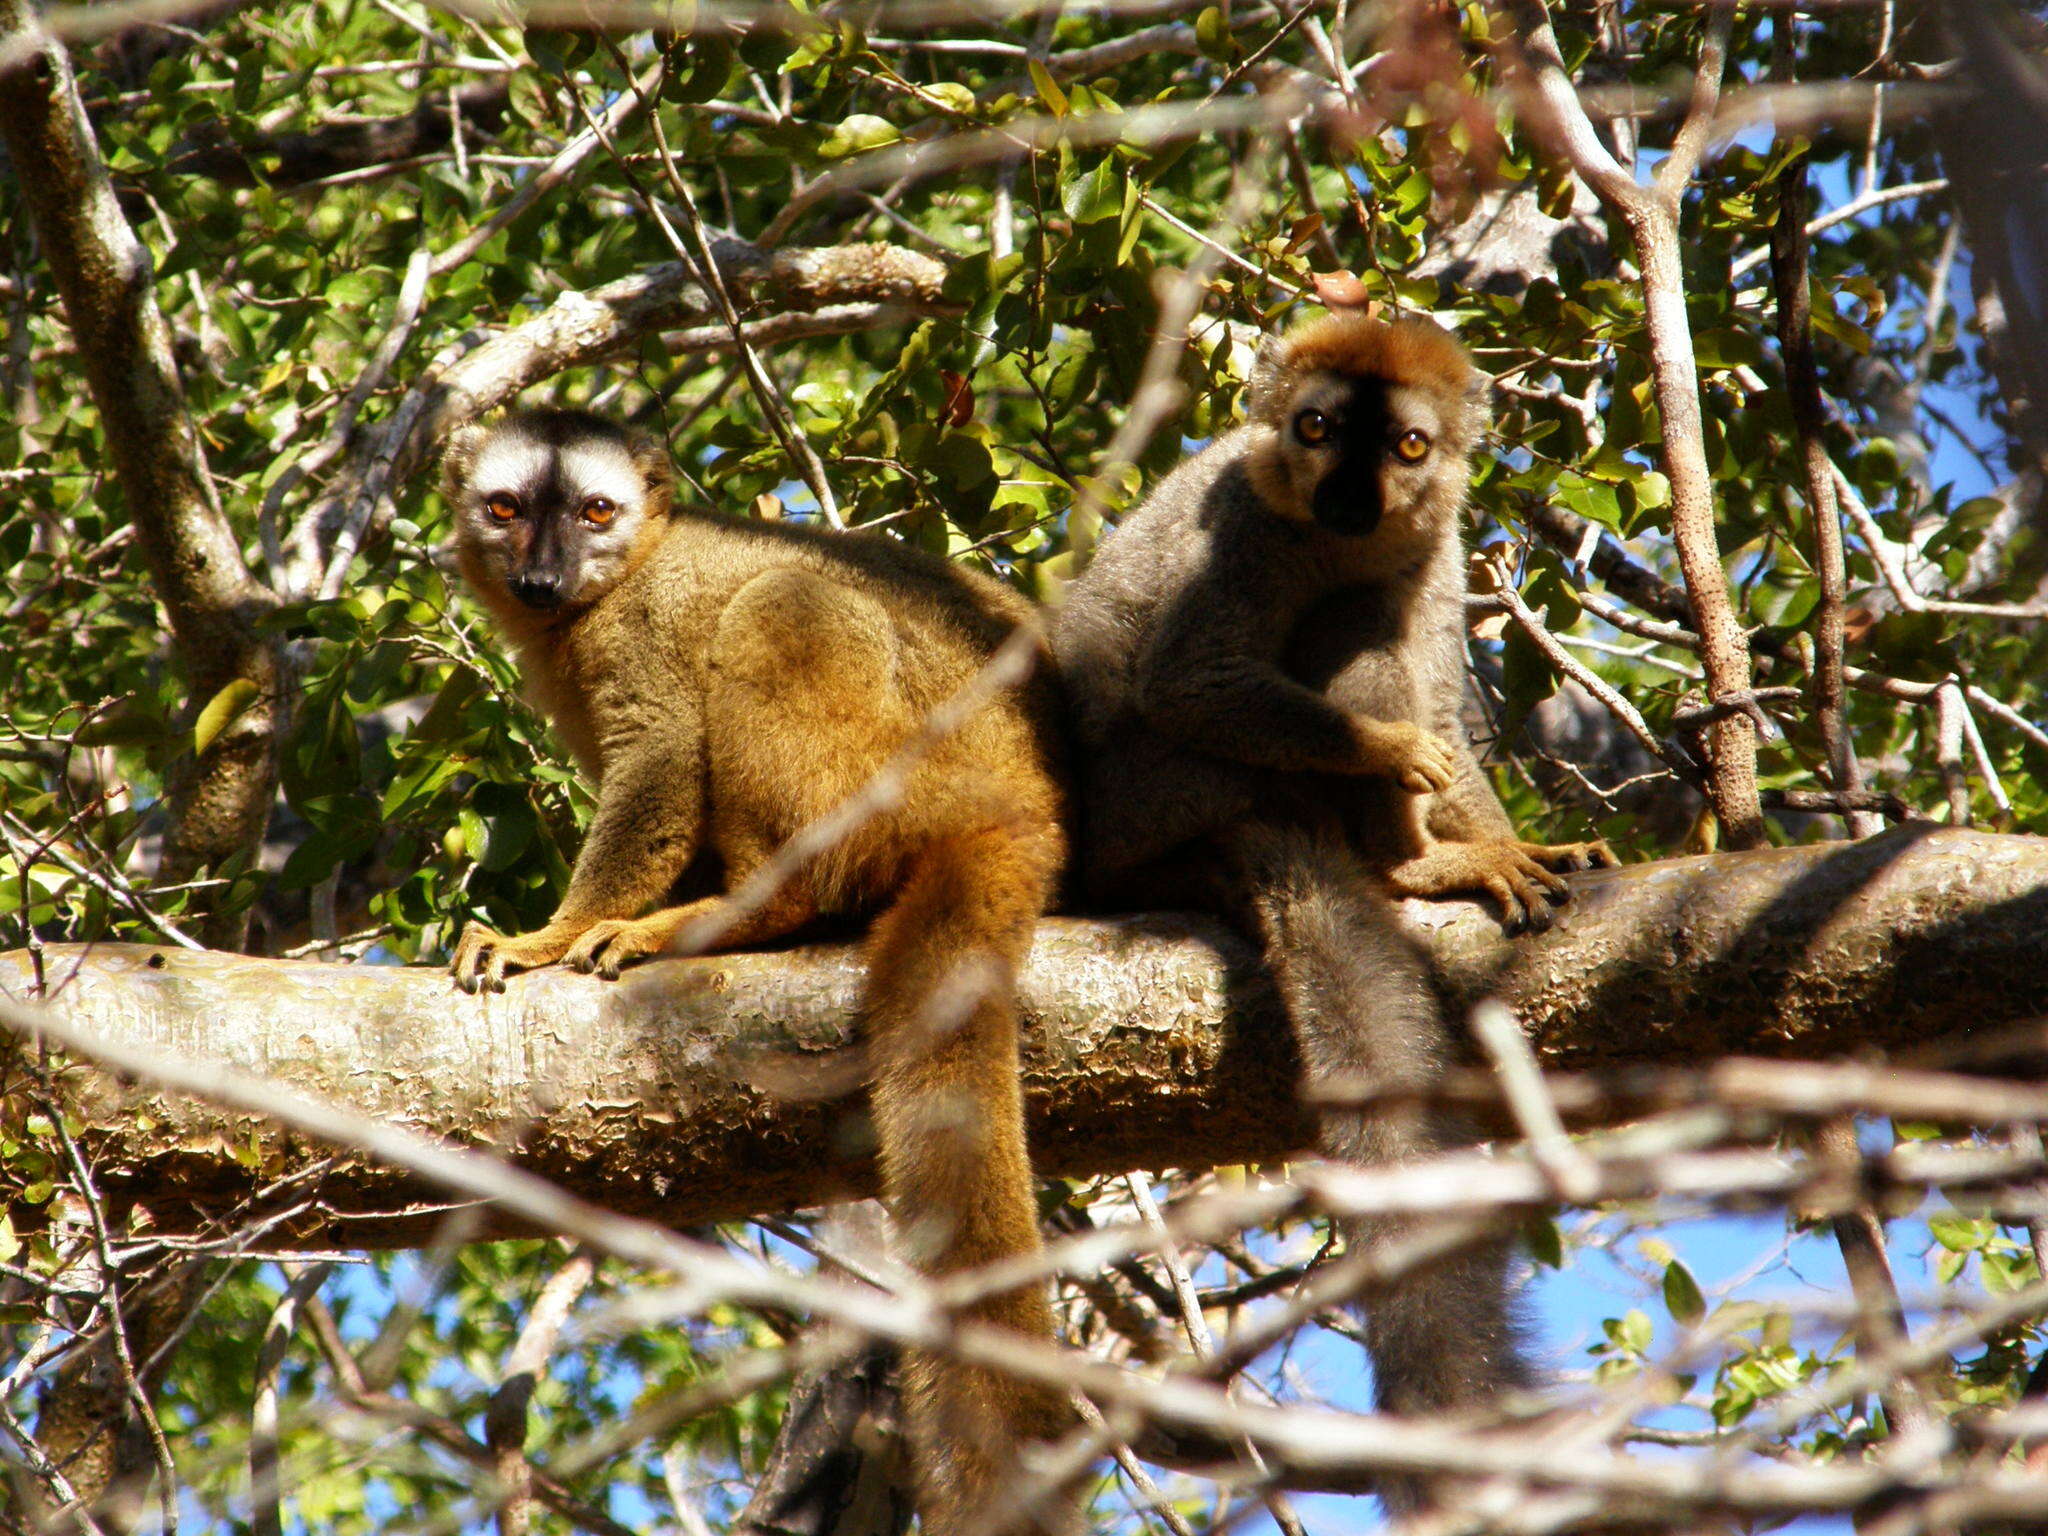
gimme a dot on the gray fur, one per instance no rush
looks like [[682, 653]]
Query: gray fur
[[1221, 657]]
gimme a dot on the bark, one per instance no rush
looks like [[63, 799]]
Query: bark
[[1791, 277], [838, 1467], [679, 1091], [220, 800]]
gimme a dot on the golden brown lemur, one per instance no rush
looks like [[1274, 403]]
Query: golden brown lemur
[[723, 683], [1265, 665]]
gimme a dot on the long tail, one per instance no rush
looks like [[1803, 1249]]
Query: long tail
[[949, 1115], [1359, 996]]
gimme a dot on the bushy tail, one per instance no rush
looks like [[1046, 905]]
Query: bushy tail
[[1364, 1011], [949, 1116]]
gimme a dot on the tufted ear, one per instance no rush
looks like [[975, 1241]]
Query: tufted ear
[[458, 457], [657, 470], [1268, 372]]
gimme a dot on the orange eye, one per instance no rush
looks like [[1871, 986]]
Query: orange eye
[[1411, 447], [1312, 427], [501, 506], [599, 510]]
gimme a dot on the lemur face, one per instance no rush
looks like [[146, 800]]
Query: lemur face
[[1366, 424], [553, 507], [1356, 450]]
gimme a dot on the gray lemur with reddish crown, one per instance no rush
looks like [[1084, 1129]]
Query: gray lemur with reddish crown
[[1265, 664]]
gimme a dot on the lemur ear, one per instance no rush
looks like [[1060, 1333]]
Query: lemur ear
[[657, 470], [1267, 371], [458, 457]]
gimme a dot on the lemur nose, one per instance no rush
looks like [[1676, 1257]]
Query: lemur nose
[[537, 591]]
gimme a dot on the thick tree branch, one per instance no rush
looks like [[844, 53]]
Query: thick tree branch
[[1651, 214], [1153, 1041], [221, 801]]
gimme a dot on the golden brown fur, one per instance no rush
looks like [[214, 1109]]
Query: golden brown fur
[[1265, 664], [724, 683]]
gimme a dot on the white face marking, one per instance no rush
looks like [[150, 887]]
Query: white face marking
[[599, 468], [551, 485]]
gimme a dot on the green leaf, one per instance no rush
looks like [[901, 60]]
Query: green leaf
[[709, 66], [1836, 327], [1682, 1294], [236, 329], [1636, 1331], [1540, 1235], [1594, 500], [248, 80], [1958, 1233], [1094, 195], [862, 131], [1876, 464], [1048, 88], [1548, 587], [221, 711], [1410, 195]]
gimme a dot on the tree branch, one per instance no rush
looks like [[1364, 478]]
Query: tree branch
[[221, 800], [1152, 1041], [1652, 215], [288, 159]]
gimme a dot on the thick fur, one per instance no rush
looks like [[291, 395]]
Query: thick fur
[[1364, 1009], [1265, 664], [724, 683]]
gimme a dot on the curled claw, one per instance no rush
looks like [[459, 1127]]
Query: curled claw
[[1534, 890], [1442, 766], [584, 955], [1573, 856], [605, 947], [476, 965], [1430, 768], [1405, 753], [483, 956]]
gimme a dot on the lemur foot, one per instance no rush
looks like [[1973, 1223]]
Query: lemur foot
[[483, 955], [1521, 876]]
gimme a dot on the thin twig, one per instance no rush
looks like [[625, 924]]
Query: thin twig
[[1521, 1081]]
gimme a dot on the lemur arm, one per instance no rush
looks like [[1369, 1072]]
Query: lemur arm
[[1210, 678], [648, 826]]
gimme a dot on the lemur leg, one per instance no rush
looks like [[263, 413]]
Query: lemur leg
[[606, 946]]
